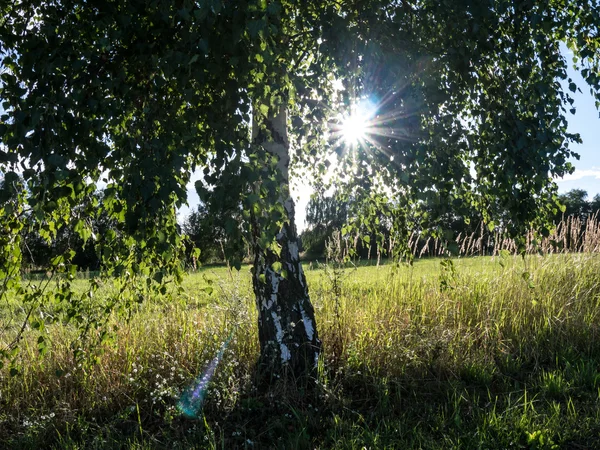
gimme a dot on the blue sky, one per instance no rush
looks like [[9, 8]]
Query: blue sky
[[586, 122]]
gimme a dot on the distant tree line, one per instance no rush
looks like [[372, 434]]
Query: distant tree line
[[38, 250], [209, 229], [577, 205], [325, 214], [573, 222]]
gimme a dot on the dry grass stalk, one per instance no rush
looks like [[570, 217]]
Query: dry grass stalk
[[571, 235]]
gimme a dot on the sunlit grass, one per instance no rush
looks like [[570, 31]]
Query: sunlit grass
[[414, 357]]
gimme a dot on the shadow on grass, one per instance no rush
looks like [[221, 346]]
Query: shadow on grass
[[541, 396]]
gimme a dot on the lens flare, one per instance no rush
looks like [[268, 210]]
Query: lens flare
[[190, 402]]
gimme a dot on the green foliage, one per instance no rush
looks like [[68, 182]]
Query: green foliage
[[575, 203], [576, 217], [215, 233], [329, 211], [324, 215], [85, 234], [595, 204]]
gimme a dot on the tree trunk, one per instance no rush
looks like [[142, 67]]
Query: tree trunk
[[287, 330]]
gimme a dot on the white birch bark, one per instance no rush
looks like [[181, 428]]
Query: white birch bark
[[286, 322]]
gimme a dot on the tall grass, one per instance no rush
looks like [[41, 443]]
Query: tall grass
[[483, 352], [572, 235]]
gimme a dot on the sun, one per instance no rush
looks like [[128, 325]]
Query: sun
[[373, 124], [355, 127]]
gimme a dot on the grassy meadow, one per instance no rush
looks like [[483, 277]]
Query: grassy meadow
[[484, 353]]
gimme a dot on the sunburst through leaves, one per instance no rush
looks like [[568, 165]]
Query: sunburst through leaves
[[372, 124]]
